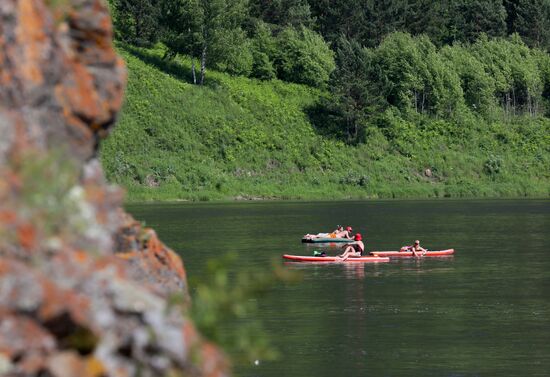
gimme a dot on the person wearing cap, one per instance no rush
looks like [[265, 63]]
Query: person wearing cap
[[353, 250]]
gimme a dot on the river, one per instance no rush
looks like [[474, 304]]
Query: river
[[483, 312]]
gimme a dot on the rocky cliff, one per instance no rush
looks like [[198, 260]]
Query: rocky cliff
[[84, 289]]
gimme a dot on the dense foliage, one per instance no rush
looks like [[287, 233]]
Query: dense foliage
[[230, 36], [491, 78], [401, 98], [239, 137], [223, 34]]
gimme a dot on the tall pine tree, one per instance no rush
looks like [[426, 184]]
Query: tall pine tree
[[531, 20], [349, 87], [136, 21]]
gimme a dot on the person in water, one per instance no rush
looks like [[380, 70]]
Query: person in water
[[416, 249], [353, 250]]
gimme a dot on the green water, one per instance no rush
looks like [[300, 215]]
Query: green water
[[483, 312]]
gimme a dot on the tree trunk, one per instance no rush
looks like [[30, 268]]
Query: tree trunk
[[193, 70], [203, 64], [137, 30], [513, 101], [423, 100]]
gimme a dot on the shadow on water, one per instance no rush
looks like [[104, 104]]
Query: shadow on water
[[357, 271], [324, 245]]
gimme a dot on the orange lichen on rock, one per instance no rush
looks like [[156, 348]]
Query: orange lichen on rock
[[84, 287], [20, 334], [26, 234], [7, 216], [213, 364], [31, 38], [148, 257], [93, 368]]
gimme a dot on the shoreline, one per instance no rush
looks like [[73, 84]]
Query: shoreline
[[321, 200]]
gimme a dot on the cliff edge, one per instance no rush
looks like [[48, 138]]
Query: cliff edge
[[84, 288]]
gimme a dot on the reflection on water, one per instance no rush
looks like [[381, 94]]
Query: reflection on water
[[350, 270], [354, 270], [483, 312]]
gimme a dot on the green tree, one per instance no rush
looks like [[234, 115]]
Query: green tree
[[349, 18], [209, 30], [446, 21], [471, 18], [182, 22], [527, 84], [434, 19], [442, 85], [220, 17], [231, 51], [531, 20], [263, 52], [385, 17], [282, 13], [398, 71], [136, 21], [543, 62], [366, 21], [449, 21], [476, 83], [303, 57], [408, 73], [350, 87], [515, 72]]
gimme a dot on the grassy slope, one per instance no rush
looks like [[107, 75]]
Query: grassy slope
[[238, 137]]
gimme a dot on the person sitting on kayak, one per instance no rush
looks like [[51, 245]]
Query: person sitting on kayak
[[353, 250], [416, 249]]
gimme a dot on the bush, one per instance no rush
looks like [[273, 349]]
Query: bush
[[303, 57], [493, 166], [263, 51], [408, 73], [135, 22], [478, 87], [355, 179], [232, 53]]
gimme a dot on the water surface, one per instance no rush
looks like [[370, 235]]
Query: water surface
[[483, 312]]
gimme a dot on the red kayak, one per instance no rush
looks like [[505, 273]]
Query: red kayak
[[368, 259], [438, 253]]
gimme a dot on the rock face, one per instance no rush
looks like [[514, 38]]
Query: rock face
[[83, 287], [148, 259]]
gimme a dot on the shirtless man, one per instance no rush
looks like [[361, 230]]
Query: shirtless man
[[354, 249], [345, 233], [416, 249]]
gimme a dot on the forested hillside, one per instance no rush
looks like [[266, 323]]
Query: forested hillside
[[297, 99]]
